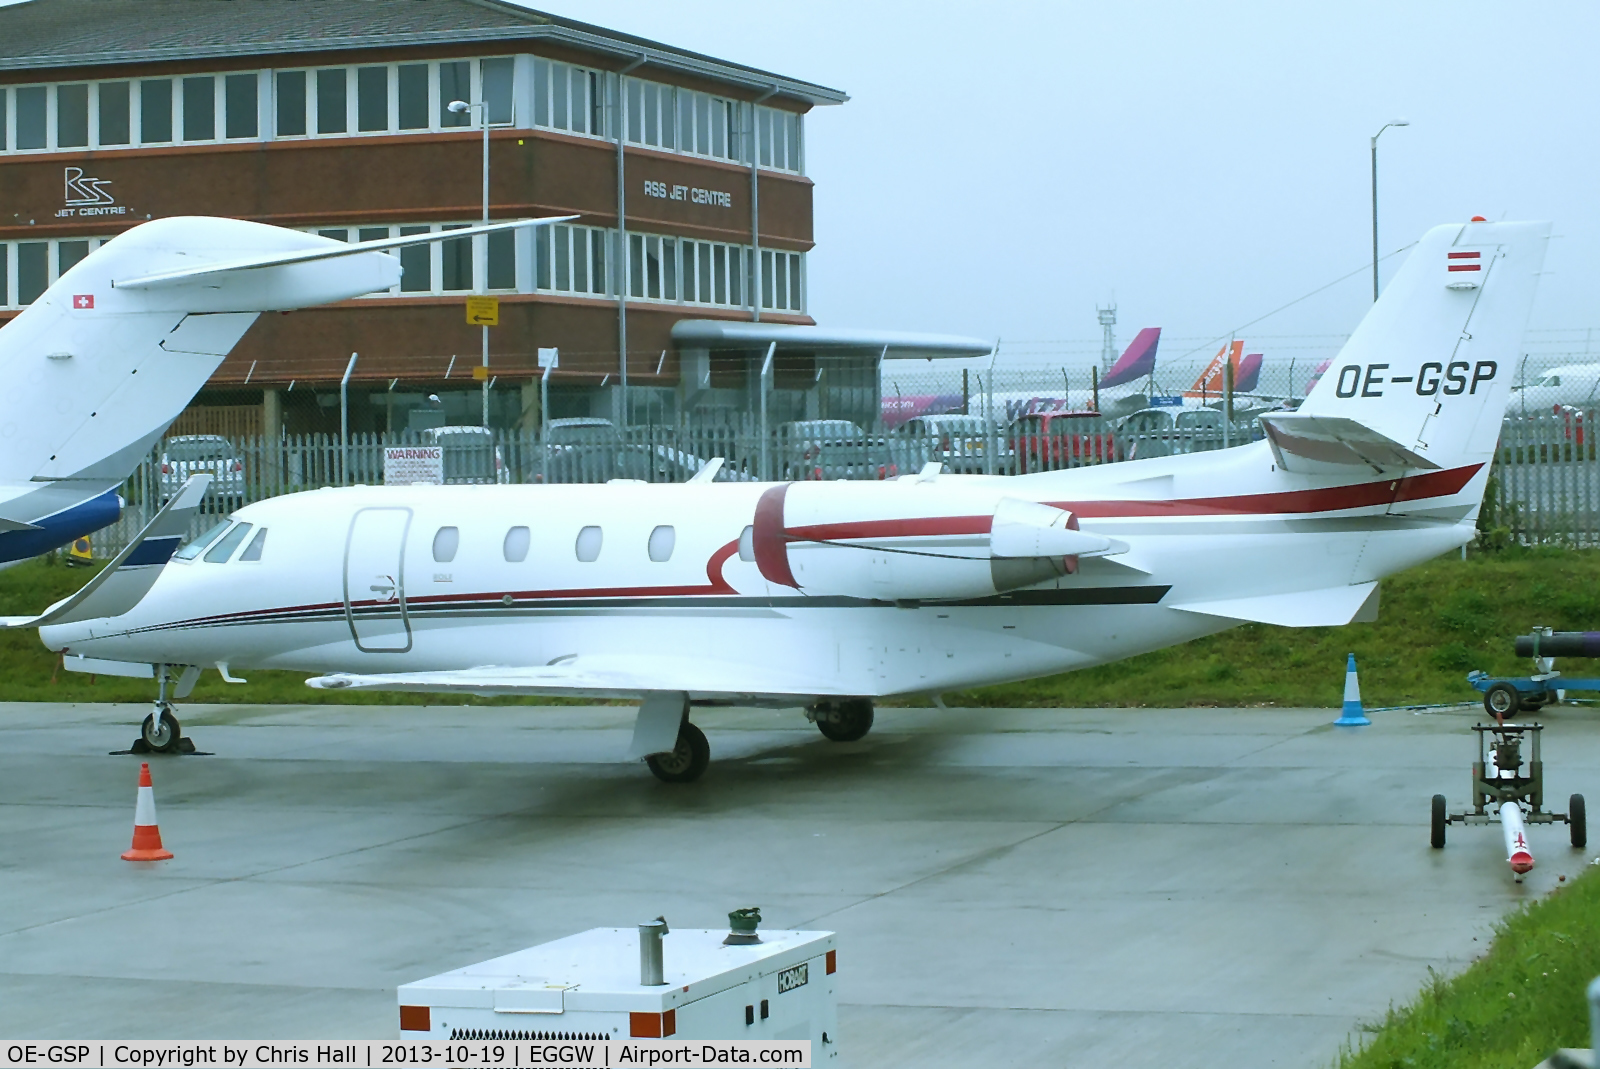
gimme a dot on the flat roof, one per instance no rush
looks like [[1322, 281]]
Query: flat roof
[[45, 34], [723, 334]]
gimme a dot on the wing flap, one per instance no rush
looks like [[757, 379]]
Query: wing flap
[[1331, 607], [594, 677]]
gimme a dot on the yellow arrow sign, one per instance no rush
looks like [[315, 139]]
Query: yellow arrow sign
[[483, 311]]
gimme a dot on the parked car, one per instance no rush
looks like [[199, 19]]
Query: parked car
[[960, 443], [470, 455], [1147, 433], [589, 449], [830, 449], [194, 454], [1055, 440]]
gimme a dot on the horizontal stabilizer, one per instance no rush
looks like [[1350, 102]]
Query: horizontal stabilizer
[[129, 575], [1302, 442], [300, 256], [1331, 607], [596, 677]]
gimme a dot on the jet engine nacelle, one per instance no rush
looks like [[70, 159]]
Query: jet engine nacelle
[[913, 542]]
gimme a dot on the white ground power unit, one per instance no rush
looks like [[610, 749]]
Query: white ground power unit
[[620, 983]]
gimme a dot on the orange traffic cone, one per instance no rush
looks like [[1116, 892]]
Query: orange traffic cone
[[146, 833]]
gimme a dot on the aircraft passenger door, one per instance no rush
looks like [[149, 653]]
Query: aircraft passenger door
[[374, 580]]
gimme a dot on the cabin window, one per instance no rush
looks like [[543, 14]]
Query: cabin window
[[227, 544], [588, 545], [747, 544], [445, 544], [194, 548], [257, 544], [661, 542], [516, 547]]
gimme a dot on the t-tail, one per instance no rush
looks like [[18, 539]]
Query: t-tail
[[1422, 384], [104, 360]]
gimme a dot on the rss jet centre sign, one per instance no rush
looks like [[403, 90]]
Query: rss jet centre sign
[[564, 1053]]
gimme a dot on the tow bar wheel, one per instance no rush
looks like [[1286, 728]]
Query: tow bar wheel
[[1501, 700], [1439, 822]]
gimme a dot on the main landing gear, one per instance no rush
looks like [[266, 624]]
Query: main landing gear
[[844, 720], [686, 761]]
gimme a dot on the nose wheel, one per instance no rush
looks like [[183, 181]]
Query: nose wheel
[[161, 730]]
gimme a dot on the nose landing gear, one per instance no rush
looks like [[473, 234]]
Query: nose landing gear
[[161, 732]]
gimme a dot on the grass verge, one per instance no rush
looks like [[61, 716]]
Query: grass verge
[[1511, 1008], [1437, 622]]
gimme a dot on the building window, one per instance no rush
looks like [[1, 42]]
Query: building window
[[455, 83], [291, 94], [781, 288], [31, 110], [571, 259], [331, 117], [456, 256], [33, 270], [239, 106], [155, 111], [497, 77], [413, 78], [568, 98], [34, 266], [502, 260], [68, 253], [200, 108], [72, 116], [114, 101], [778, 139], [372, 99], [416, 263]]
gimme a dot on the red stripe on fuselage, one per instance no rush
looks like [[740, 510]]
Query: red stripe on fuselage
[[1327, 499]]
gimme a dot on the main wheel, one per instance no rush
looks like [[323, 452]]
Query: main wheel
[[848, 721], [687, 761], [1577, 822], [1438, 822], [1501, 699], [161, 735]]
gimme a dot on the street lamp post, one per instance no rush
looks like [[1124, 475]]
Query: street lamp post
[[1397, 122], [460, 106]]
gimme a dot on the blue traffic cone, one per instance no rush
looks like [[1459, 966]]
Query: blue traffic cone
[[1353, 715]]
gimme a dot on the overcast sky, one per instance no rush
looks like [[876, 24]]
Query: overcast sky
[[1000, 168]]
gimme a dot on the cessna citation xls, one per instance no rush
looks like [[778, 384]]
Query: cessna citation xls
[[829, 595], [103, 361]]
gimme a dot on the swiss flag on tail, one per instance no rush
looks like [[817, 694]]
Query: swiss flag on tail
[[83, 300]]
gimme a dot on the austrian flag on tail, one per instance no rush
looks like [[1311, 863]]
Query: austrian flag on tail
[[1464, 269]]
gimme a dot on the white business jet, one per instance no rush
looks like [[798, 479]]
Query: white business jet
[[830, 595], [97, 368]]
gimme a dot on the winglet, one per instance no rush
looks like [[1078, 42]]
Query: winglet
[[129, 575]]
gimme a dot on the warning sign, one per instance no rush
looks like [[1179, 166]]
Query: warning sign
[[483, 311], [404, 465]]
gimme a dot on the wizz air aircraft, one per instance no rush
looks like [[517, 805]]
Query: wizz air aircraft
[[98, 367], [828, 596]]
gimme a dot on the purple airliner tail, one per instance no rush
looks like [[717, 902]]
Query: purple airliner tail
[[1249, 373], [1137, 361]]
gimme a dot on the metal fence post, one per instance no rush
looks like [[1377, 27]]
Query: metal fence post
[[766, 439]]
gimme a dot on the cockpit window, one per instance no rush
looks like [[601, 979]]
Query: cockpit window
[[194, 548], [229, 542], [257, 544]]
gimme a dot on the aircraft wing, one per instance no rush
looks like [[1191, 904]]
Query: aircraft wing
[[129, 575], [596, 677], [300, 256], [1302, 440]]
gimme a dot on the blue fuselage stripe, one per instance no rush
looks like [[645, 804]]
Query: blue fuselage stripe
[[57, 530]]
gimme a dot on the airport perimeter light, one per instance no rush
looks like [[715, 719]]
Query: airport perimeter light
[[1385, 126], [458, 107]]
